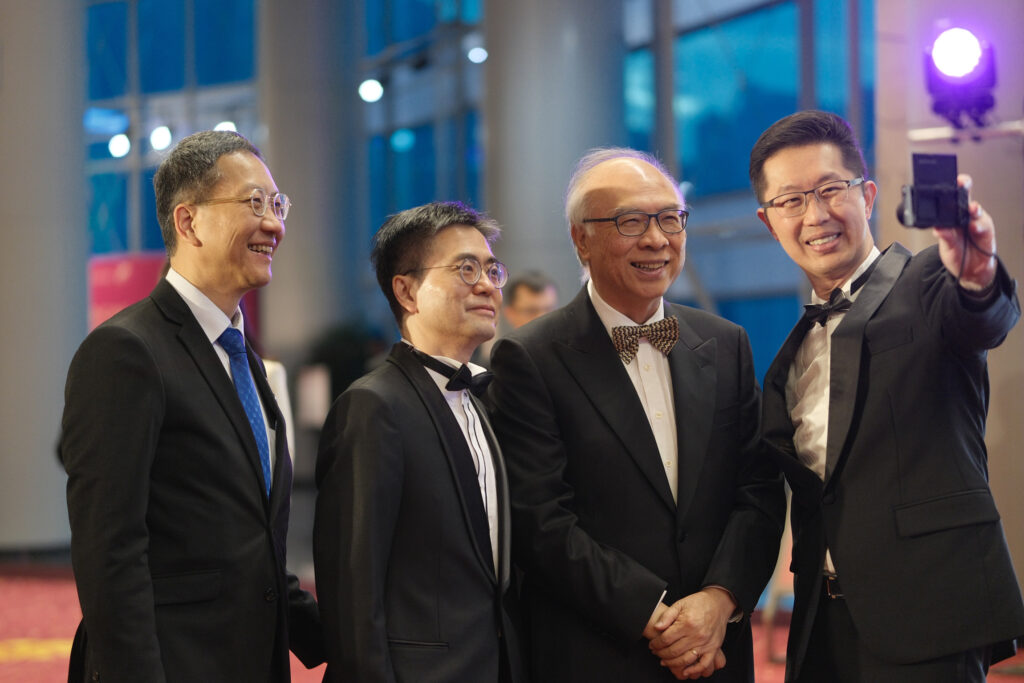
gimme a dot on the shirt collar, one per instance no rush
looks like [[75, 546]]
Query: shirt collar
[[207, 314], [864, 265], [440, 380], [612, 318]]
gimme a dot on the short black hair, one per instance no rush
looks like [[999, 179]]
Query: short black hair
[[401, 243], [189, 173], [533, 280], [811, 127]]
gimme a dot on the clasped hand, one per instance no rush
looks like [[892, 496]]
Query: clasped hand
[[687, 636]]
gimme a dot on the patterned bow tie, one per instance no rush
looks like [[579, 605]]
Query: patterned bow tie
[[819, 313], [458, 378], [662, 335]]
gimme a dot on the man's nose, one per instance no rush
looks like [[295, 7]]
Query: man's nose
[[653, 237]]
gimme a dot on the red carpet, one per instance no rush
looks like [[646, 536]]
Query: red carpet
[[40, 612]]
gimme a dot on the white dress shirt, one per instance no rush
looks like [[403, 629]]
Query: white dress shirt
[[649, 372], [807, 386], [213, 322], [472, 428]]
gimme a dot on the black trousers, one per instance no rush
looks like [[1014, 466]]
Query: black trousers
[[835, 654]]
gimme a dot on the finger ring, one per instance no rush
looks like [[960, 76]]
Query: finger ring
[[695, 654]]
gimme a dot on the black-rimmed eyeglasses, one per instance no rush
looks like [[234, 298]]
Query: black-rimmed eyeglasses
[[470, 270], [635, 223], [793, 204], [259, 200]]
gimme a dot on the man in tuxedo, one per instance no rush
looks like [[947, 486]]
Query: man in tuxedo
[[641, 511], [411, 539], [179, 475], [875, 411]]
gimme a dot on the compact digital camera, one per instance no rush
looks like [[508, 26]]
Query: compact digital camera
[[934, 200]]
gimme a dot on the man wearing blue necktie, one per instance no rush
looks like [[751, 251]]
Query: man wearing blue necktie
[[179, 475], [645, 522], [411, 538], [875, 410]]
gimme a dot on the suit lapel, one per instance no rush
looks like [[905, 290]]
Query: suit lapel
[[501, 484], [281, 475], [847, 345], [460, 460], [198, 346], [692, 363], [590, 357]]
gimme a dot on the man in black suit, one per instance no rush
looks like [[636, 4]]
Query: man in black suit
[[640, 507], [177, 492], [876, 413], [411, 539]]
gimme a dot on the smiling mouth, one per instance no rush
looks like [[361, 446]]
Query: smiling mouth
[[823, 240], [262, 249], [649, 267]]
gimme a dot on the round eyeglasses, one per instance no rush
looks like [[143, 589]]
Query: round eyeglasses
[[635, 223], [259, 200], [470, 271], [793, 204]]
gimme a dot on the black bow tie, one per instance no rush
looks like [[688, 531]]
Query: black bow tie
[[819, 313], [458, 378]]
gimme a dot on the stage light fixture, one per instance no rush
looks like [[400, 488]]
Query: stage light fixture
[[960, 73]]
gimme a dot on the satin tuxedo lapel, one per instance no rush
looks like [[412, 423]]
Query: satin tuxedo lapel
[[501, 482], [694, 382], [201, 350], [847, 343], [455, 450], [590, 357]]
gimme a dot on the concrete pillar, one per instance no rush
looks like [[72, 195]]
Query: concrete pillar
[[554, 90], [904, 29], [45, 219]]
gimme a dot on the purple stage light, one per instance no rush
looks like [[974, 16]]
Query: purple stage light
[[956, 52]]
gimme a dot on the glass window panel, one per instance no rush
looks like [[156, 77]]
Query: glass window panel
[[377, 163], [734, 80], [767, 321], [152, 238], [98, 150], [106, 49], [411, 18], [376, 26], [225, 35], [474, 158], [831, 55], [413, 168], [639, 92], [472, 11], [161, 54], [108, 224]]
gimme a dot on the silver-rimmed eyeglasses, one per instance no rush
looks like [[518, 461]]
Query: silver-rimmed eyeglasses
[[259, 200], [635, 223], [793, 204], [470, 271]]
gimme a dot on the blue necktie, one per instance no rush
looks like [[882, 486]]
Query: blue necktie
[[232, 342]]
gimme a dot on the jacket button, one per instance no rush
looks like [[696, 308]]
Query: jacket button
[[682, 536], [95, 676], [829, 498], [270, 595]]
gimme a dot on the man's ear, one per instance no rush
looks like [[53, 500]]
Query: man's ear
[[763, 215], [184, 224], [405, 288], [870, 192], [581, 241]]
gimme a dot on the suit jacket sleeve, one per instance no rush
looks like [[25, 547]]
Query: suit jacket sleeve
[[969, 325], [359, 480], [114, 407], [748, 550], [601, 583]]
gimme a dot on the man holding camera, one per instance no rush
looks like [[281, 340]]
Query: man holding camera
[[875, 409]]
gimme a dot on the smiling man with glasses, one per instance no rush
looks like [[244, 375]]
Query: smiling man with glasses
[[875, 409], [179, 476], [412, 538], [645, 523]]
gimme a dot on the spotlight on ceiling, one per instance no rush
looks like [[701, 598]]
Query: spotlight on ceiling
[[960, 73]]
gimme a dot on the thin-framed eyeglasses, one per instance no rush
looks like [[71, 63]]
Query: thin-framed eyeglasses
[[470, 271], [793, 204], [259, 200], [635, 223]]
